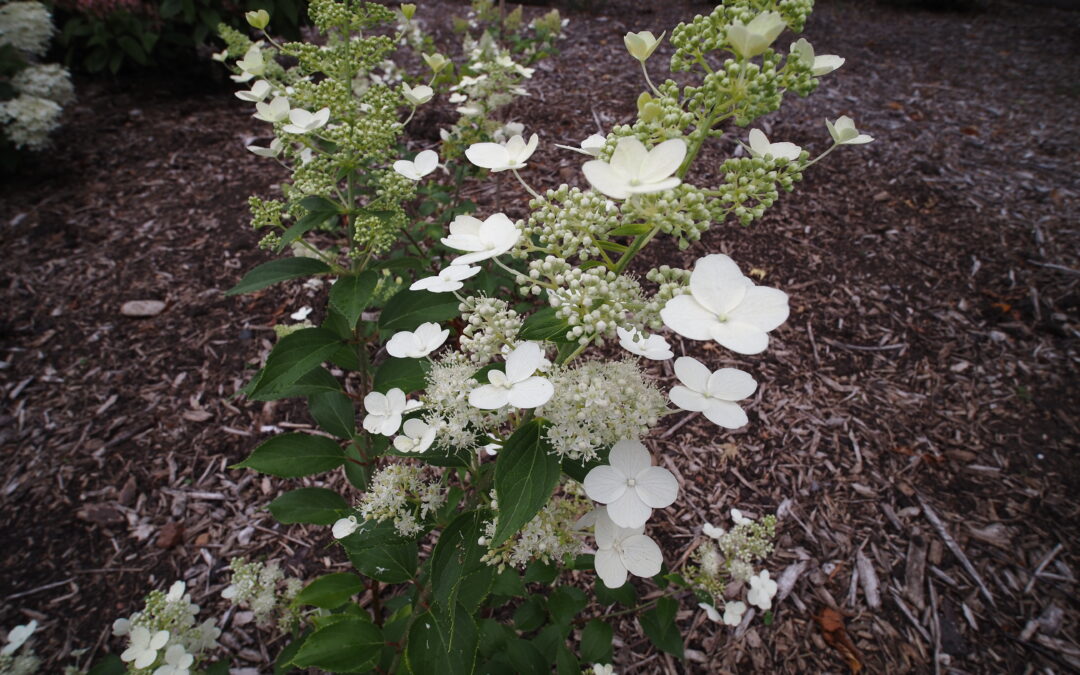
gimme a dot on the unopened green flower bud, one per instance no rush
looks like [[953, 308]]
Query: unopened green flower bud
[[435, 61], [408, 9], [258, 19]]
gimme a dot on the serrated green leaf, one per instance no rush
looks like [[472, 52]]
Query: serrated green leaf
[[274, 271], [443, 642], [350, 295], [392, 563], [633, 230], [330, 591], [531, 614], [408, 309], [565, 602], [294, 455], [283, 662], [458, 575], [596, 642], [526, 473], [659, 624], [347, 646], [526, 659], [408, 375], [293, 357], [334, 412], [311, 505], [544, 325], [317, 381]]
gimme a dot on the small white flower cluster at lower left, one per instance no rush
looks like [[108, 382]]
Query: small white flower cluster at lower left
[[164, 635]]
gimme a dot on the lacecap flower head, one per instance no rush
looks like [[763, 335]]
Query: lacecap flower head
[[630, 485], [712, 393], [481, 239], [517, 386]]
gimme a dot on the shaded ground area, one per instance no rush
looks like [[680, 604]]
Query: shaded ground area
[[917, 411]]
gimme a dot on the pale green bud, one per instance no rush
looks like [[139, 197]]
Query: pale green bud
[[642, 45], [435, 61], [259, 19], [408, 10]]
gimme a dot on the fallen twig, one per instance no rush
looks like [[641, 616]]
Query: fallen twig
[[955, 548]]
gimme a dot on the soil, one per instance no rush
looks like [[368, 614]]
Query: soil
[[916, 423]]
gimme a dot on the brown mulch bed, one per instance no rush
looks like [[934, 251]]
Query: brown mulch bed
[[917, 415]]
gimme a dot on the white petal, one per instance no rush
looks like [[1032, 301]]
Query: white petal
[[629, 156], [710, 611], [488, 155], [727, 415], [739, 337], [375, 403], [610, 568], [687, 399], [641, 556], [390, 424], [470, 258], [759, 143], [657, 487], [605, 484], [414, 428], [629, 511], [731, 384], [649, 188], [489, 397], [162, 636], [604, 179], [395, 400], [687, 317], [426, 161], [693, 373], [403, 345], [664, 160], [763, 307], [630, 458], [407, 169], [717, 283], [523, 361], [344, 527], [531, 393]]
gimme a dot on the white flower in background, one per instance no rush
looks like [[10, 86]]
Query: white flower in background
[[508, 130], [277, 110], [642, 45], [819, 65], [591, 146], [418, 95], [635, 170], [762, 590], [274, 150], [738, 518], [470, 110], [425, 162], [303, 122], [621, 550], [252, 64], [177, 662], [843, 132], [710, 530], [385, 411], [301, 314], [753, 38], [45, 80], [492, 449], [492, 237], [27, 26], [121, 627], [28, 120], [760, 147], [725, 306], [517, 386], [630, 485], [17, 636], [221, 56], [456, 98], [446, 280], [259, 91], [603, 669], [343, 527], [144, 646], [419, 435], [176, 592], [435, 61], [503, 156], [711, 393], [419, 343], [653, 347], [733, 612]]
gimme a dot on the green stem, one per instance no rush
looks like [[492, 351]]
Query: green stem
[[525, 185], [648, 80]]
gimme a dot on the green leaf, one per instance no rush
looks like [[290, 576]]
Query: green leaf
[[274, 271], [294, 455], [331, 591], [611, 246], [109, 665], [408, 309], [358, 475], [400, 264], [350, 645], [283, 662], [550, 639], [596, 642], [350, 295], [218, 667], [526, 659], [493, 637], [392, 563], [408, 375], [317, 381], [625, 595], [442, 642], [566, 663], [540, 572], [526, 473], [334, 412], [565, 602], [458, 575], [633, 230], [372, 533], [311, 505], [319, 210], [507, 584], [293, 357], [544, 325], [530, 614], [659, 624]]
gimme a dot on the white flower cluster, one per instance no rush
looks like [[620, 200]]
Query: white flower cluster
[[495, 80], [598, 403], [549, 537], [490, 326], [28, 120], [399, 493], [47, 80], [26, 26], [729, 556], [264, 589], [164, 636], [17, 657], [446, 405]]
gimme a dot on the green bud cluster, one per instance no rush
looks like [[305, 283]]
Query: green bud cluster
[[705, 34], [593, 301], [670, 281], [682, 213], [750, 185], [236, 43], [265, 212], [568, 222], [490, 326], [347, 17]]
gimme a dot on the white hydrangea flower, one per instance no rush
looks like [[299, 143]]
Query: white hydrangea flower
[[508, 131], [760, 147], [385, 411], [710, 611], [424, 163], [301, 314], [17, 636], [27, 26], [121, 627], [418, 436], [277, 110], [621, 550], [177, 662], [28, 120], [259, 91], [503, 156], [303, 122], [819, 65], [144, 646], [591, 146], [418, 95], [176, 592], [517, 386], [642, 45], [419, 343], [725, 306], [342, 528], [653, 347], [45, 80], [630, 485], [762, 590], [481, 239], [603, 669], [733, 612], [435, 61], [252, 64], [713, 394], [713, 532], [843, 132], [446, 280], [753, 38], [738, 518], [274, 150], [635, 170], [457, 97]]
